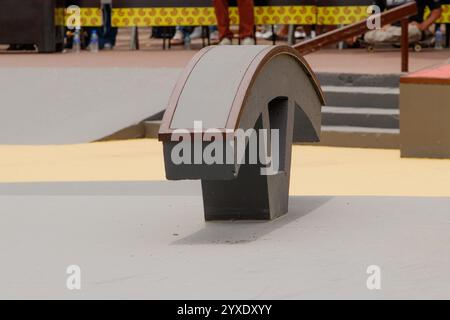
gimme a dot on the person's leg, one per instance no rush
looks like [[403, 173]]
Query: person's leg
[[110, 32], [213, 33], [389, 34], [223, 19], [196, 32], [178, 37], [246, 18], [414, 33], [447, 35], [113, 35], [186, 30]]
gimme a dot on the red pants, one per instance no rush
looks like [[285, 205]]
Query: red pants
[[246, 18]]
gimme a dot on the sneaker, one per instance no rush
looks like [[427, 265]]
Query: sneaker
[[196, 33], [259, 35], [300, 35], [267, 35], [178, 38], [248, 41], [107, 46], [225, 42], [214, 36]]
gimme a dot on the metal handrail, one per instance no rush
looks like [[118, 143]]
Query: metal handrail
[[400, 13]]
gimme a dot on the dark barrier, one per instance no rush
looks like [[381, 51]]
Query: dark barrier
[[31, 22]]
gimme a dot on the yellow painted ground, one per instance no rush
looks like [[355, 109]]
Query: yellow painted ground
[[315, 170]]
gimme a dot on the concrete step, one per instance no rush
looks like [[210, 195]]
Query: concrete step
[[360, 117], [360, 137], [361, 97], [359, 80]]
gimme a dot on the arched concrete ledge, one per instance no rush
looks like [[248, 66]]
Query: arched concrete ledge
[[229, 90], [218, 82]]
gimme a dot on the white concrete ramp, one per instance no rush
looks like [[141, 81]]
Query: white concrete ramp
[[76, 105]]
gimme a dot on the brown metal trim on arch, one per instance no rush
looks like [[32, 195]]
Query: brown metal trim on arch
[[243, 91], [252, 72]]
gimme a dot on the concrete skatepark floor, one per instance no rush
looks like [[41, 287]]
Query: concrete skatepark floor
[[346, 61], [135, 238], [159, 247]]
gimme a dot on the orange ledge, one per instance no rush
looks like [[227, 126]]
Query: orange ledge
[[439, 74]]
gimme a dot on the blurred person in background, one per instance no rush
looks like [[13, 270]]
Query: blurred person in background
[[281, 32], [246, 18], [106, 34], [194, 33], [181, 32], [109, 33], [418, 26]]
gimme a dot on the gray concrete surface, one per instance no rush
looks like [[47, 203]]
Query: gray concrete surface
[[155, 244], [389, 80], [361, 117], [75, 105], [361, 97], [70, 103]]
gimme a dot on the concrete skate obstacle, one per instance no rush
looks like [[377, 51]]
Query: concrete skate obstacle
[[233, 89]]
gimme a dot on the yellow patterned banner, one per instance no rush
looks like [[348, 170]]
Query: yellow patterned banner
[[89, 17], [445, 18], [341, 15], [147, 17], [351, 14]]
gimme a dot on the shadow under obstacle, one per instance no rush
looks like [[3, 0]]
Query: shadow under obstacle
[[240, 232]]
